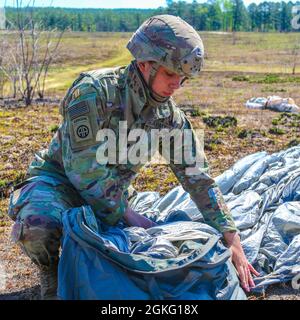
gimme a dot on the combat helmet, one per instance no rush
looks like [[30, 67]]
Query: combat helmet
[[169, 41]]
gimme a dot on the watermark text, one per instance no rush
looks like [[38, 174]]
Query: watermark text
[[139, 146], [296, 17]]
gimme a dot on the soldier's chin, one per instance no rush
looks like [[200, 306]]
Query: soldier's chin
[[167, 93]]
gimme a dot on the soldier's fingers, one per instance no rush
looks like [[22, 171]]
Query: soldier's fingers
[[247, 277], [250, 280], [256, 273], [243, 278]]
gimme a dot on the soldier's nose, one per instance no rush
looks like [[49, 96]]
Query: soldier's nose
[[175, 84]]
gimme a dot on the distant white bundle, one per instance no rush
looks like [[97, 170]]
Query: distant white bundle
[[2, 277], [274, 103], [256, 103]]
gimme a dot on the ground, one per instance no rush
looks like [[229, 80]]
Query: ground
[[256, 65]]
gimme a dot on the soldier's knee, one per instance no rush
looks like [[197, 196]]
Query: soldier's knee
[[39, 237]]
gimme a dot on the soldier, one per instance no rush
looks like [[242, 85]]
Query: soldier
[[167, 51]]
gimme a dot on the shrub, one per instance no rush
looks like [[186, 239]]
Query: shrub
[[243, 133], [293, 143], [217, 121], [276, 130], [53, 128], [240, 78]]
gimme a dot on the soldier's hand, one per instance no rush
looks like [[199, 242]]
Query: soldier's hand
[[135, 219], [243, 267]]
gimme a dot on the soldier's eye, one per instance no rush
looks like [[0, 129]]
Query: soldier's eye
[[169, 74]]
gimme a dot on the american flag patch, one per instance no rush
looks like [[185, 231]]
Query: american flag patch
[[78, 109]]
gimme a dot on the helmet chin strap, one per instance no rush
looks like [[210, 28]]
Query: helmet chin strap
[[152, 75]]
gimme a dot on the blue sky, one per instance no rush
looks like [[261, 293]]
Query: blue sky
[[106, 3]]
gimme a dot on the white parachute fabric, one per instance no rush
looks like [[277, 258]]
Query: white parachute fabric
[[263, 194], [265, 203], [274, 103]]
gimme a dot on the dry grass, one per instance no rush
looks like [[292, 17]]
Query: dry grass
[[252, 52]]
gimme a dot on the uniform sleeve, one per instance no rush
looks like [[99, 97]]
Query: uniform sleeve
[[201, 186], [98, 184]]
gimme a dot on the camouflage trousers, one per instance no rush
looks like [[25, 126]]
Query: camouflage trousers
[[37, 206]]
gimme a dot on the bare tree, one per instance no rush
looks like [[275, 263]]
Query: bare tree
[[30, 53], [2, 76], [8, 66]]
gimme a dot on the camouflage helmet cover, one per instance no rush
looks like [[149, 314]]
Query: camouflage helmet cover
[[169, 41]]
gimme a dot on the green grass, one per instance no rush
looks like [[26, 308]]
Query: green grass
[[261, 53], [275, 122], [287, 119], [273, 89], [267, 79], [219, 122], [53, 128], [241, 78], [243, 133], [61, 78], [293, 143], [276, 131]]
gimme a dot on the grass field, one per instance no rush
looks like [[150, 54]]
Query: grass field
[[258, 64]]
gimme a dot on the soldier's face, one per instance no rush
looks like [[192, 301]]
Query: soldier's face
[[165, 81]]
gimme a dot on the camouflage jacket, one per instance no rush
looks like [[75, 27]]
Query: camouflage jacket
[[101, 99]]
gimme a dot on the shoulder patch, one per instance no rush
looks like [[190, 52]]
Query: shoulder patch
[[83, 121], [78, 109], [82, 129]]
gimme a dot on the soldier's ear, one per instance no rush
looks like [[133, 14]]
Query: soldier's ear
[[142, 66], [145, 66]]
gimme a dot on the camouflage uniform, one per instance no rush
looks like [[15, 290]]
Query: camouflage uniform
[[68, 175]]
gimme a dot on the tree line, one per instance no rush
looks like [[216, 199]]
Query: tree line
[[214, 15]]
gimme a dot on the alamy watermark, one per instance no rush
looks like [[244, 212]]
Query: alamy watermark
[[138, 146], [2, 277], [2, 18], [296, 278], [296, 17]]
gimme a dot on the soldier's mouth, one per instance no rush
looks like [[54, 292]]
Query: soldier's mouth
[[168, 93]]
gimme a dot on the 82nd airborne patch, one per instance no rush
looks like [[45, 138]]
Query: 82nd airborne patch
[[82, 129], [83, 124]]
